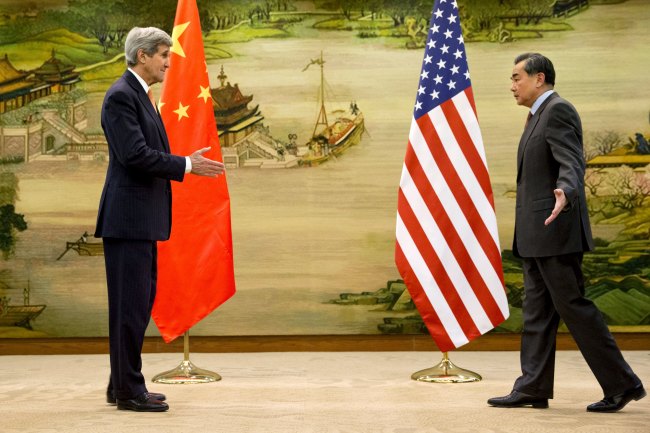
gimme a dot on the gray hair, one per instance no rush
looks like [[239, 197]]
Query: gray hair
[[146, 39]]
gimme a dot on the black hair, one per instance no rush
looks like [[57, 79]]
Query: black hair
[[536, 63]]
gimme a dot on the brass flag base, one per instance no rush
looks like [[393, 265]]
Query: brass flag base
[[446, 372], [186, 372]]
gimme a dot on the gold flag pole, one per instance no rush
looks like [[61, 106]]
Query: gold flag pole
[[446, 372], [186, 372]]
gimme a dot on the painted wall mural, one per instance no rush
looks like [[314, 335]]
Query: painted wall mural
[[313, 100]]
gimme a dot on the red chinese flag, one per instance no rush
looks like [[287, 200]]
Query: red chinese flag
[[195, 267]]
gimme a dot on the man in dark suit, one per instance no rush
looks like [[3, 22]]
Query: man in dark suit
[[551, 234], [135, 209]]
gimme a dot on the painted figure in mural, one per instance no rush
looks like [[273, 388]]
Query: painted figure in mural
[[642, 146], [135, 209], [551, 233]]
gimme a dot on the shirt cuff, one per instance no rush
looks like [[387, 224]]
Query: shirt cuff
[[188, 165]]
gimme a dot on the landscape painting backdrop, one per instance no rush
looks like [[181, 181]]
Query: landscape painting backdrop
[[313, 222]]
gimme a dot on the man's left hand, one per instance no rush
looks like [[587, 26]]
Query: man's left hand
[[560, 203]]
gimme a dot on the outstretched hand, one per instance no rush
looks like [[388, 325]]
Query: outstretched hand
[[202, 166], [560, 203]]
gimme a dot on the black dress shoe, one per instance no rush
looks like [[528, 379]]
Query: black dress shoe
[[110, 397], [618, 401], [145, 402], [519, 399]]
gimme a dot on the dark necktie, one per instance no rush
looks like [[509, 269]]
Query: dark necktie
[[528, 119]]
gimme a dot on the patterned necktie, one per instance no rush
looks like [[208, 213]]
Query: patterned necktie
[[153, 101]]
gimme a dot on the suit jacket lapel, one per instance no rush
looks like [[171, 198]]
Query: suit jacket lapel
[[144, 100], [528, 131]]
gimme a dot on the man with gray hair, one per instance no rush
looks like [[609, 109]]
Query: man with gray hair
[[135, 209]]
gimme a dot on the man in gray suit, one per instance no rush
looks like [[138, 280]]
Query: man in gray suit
[[135, 209], [551, 234]]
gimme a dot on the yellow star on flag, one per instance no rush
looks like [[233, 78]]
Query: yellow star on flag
[[205, 93], [211, 261], [182, 111], [160, 105], [176, 33]]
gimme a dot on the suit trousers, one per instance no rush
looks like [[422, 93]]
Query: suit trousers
[[131, 273], [554, 290]]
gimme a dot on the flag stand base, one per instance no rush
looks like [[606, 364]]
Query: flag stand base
[[186, 372], [446, 372]]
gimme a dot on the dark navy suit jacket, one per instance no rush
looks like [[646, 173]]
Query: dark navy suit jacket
[[136, 200]]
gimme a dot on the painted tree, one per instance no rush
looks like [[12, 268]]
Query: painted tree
[[601, 143], [630, 189], [10, 221]]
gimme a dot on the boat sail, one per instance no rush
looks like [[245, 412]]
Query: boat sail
[[331, 139]]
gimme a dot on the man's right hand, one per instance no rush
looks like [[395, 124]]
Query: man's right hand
[[202, 166]]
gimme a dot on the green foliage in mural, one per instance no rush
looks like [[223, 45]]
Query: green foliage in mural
[[10, 221]]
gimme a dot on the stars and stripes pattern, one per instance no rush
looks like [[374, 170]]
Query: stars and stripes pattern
[[447, 248]]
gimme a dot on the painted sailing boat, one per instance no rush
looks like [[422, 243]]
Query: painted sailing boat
[[83, 247], [331, 139], [19, 315]]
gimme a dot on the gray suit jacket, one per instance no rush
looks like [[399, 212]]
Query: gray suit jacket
[[550, 157]]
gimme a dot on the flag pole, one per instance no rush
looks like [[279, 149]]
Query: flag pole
[[186, 372], [447, 245], [446, 372]]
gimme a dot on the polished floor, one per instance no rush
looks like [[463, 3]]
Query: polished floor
[[309, 392]]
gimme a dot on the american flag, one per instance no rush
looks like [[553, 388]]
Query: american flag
[[447, 248]]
